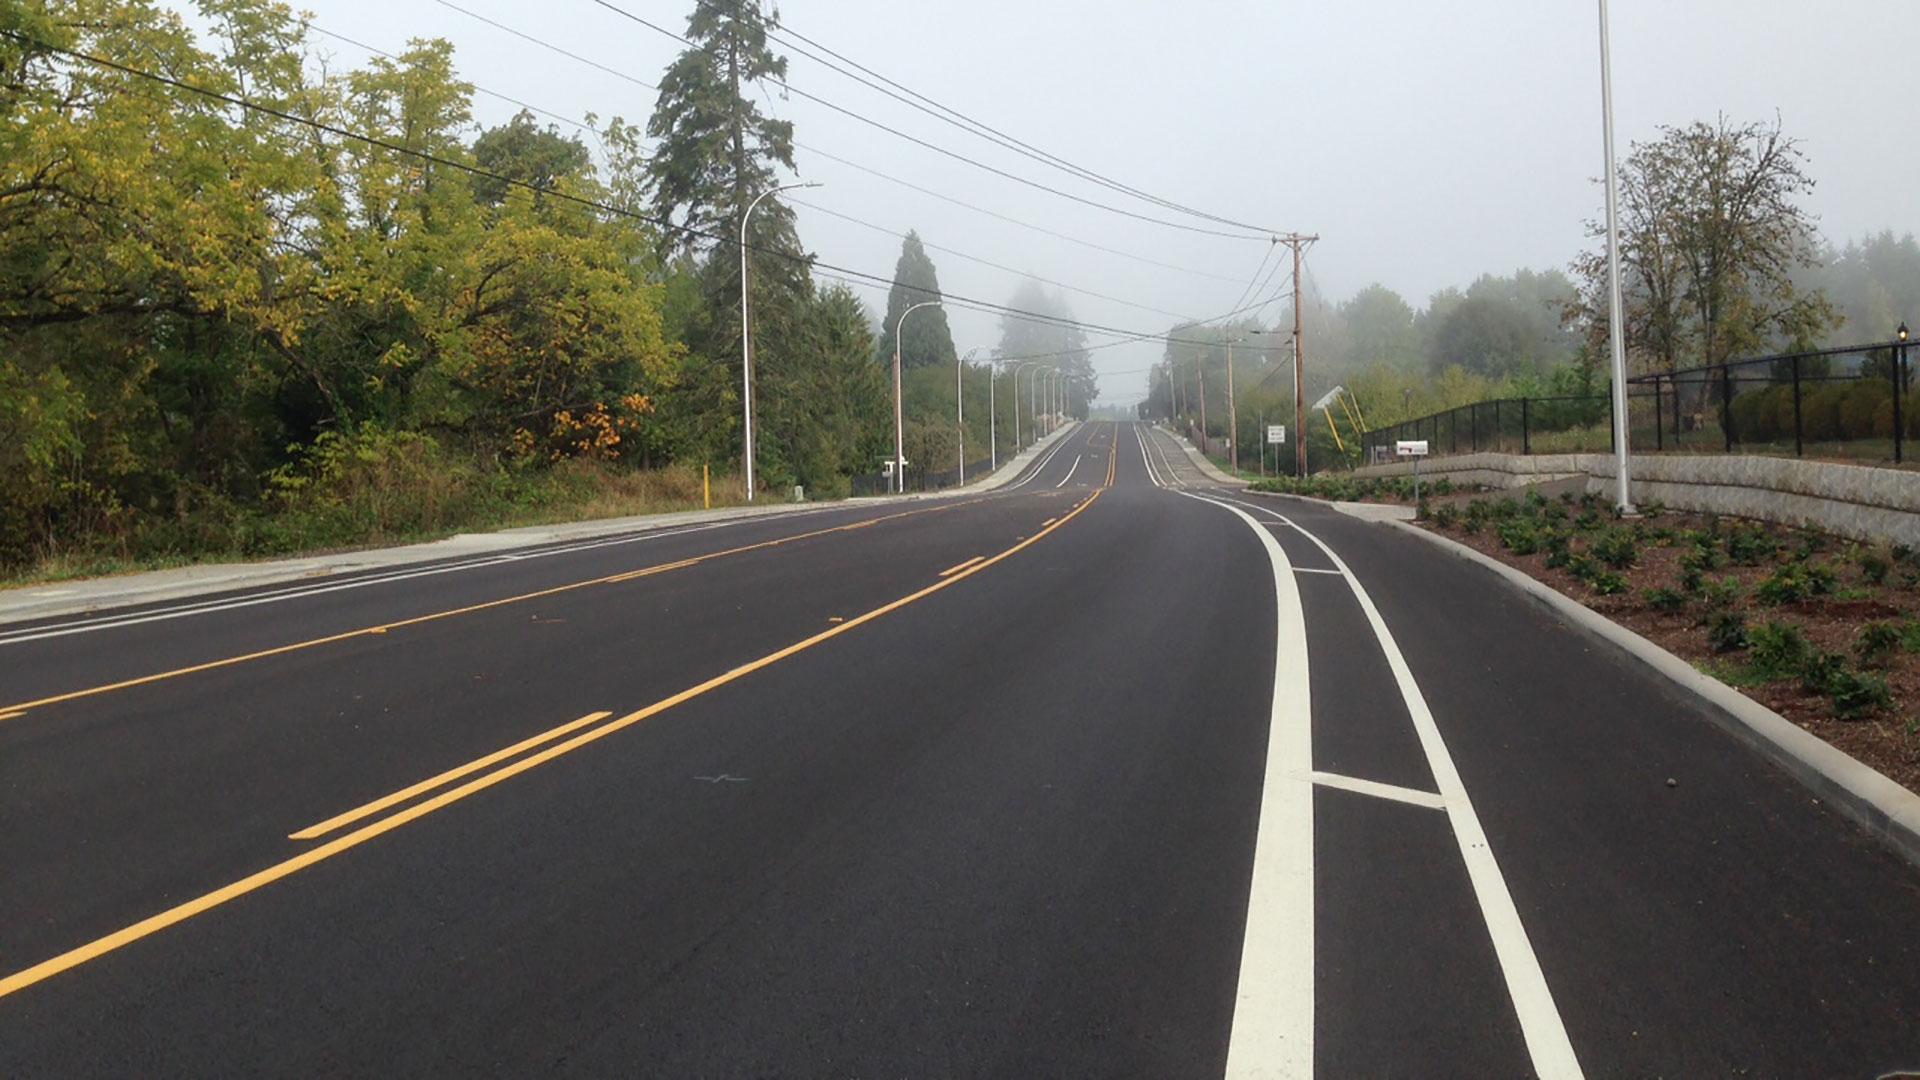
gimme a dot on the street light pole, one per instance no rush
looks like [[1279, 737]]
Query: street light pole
[[746, 338], [899, 425], [993, 421], [1017, 369], [960, 407], [1616, 335]]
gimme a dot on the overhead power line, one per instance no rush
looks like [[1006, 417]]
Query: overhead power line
[[828, 270], [876, 173], [985, 262], [955, 155], [583, 126], [968, 124]]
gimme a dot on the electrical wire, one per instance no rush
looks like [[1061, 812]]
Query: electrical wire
[[828, 270], [930, 246], [943, 151], [877, 174]]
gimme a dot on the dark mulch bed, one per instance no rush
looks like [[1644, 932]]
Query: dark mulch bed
[[1869, 584]]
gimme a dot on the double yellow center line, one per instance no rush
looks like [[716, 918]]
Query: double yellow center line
[[583, 732], [8, 712]]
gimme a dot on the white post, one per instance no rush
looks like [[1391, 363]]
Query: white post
[[899, 425], [993, 420], [746, 346], [1616, 334], [960, 408]]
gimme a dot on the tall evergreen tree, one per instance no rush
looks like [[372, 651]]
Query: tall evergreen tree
[[928, 340], [718, 153], [1055, 344]]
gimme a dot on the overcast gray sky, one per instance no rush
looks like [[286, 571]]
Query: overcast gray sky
[[1426, 142]]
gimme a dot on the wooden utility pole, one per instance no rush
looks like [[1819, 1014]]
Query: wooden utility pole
[[1296, 242], [1201, 366], [1233, 416]]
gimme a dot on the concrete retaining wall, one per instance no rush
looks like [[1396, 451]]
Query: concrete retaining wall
[[1858, 501], [1493, 470]]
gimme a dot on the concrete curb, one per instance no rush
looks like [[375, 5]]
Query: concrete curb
[[1207, 468], [60, 598], [1886, 809]]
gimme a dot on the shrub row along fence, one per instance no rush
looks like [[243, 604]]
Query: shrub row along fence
[[1828, 403]]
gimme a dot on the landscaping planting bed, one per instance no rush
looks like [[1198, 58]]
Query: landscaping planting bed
[[1822, 630]]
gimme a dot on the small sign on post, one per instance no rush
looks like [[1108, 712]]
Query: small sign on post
[[1276, 434], [1415, 449]]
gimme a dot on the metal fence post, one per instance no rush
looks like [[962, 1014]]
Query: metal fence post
[[1473, 428], [1799, 432], [1499, 430], [1726, 404], [1898, 378], [1526, 441], [1659, 435]]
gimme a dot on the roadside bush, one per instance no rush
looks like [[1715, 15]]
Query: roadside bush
[[1606, 582], [1820, 412], [1727, 631], [1875, 644], [1794, 583], [1519, 537], [1617, 548], [1780, 650], [1819, 671], [1859, 404], [1857, 695], [1665, 600], [1874, 565], [1750, 545]]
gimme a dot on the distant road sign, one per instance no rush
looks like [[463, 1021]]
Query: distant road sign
[[1411, 448], [1276, 434]]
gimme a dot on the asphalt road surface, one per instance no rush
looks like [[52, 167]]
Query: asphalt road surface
[[1105, 773]]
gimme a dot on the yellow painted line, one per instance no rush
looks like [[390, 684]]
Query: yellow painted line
[[314, 832], [1048, 522], [173, 916], [330, 639], [14, 715], [956, 569]]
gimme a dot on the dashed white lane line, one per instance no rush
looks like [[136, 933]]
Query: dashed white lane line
[[1272, 1032]]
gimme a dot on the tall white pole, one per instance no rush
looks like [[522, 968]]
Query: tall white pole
[[746, 339], [1616, 335], [993, 420], [899, 425], [960, 408]]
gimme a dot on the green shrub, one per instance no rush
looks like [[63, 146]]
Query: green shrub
[[1727, 631], [1444, 516], [1875, 643], [1794, 583], [1819, 669], [1663, 599], [1780, 650], [1519, 537], [1857, 695], [1606, 582], [1749, 545], [1618, 548], [1858, 404], [1874, 566]]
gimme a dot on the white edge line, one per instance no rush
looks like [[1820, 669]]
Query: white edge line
[[1273, 1009], [1540, 1022], [379, 577], [1074, 468]]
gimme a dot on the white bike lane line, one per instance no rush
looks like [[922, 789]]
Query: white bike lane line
[[1540, 1021], [1273, 1013]]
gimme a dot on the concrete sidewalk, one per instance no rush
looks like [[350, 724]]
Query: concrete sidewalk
[[54, 599]]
